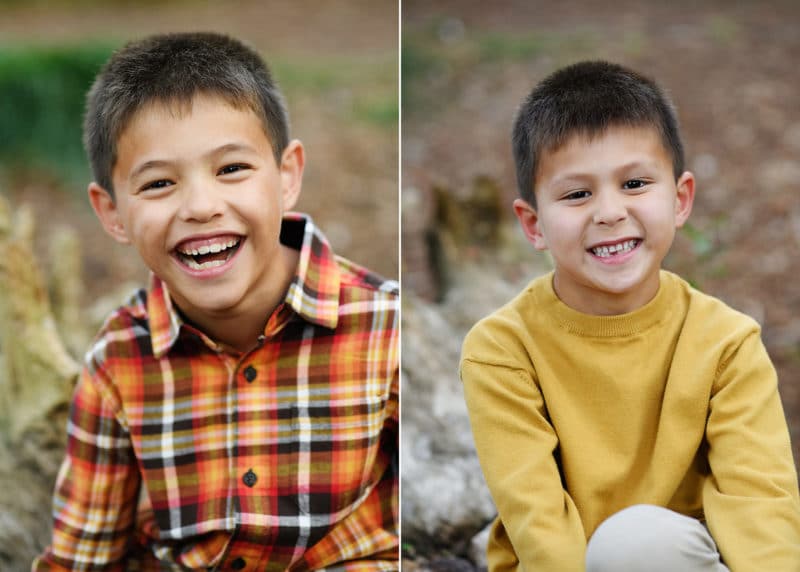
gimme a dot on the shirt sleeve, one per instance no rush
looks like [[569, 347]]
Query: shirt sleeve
[[516, 446], [751, 497], [94, 503]]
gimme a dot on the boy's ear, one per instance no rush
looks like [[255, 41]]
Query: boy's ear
[[684, 199], [293, 159], [529, 221], [106, 210]]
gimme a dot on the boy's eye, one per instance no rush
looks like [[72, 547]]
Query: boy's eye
[[577, 195], [159, 184], [633, 184], [228, 169]]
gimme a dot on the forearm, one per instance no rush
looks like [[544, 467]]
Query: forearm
[[516, 445], [96, 491], [751, 498]]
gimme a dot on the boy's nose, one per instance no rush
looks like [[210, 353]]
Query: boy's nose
[[201, 202], [610, 208]]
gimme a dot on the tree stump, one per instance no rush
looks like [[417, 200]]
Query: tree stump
[[37, 374]]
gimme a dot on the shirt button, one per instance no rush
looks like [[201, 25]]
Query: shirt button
[[238, 564], [249, 373], [249, 478]]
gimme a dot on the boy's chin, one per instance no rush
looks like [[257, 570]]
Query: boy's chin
[[211, 302]]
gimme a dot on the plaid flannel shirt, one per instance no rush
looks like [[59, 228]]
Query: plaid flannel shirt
[[282, 458]]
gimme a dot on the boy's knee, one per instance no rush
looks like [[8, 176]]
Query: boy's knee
[[646, 537]]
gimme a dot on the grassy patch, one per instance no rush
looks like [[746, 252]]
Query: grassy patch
[[379, 111], [41, 110], [495, 47], [370, 85], [434, 63]]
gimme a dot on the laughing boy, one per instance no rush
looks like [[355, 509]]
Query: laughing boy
[[241, 412]]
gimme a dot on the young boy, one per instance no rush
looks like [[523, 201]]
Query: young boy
[[611, 403], [240, 413]]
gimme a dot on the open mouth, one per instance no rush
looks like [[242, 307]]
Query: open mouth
[[609, 250], [208, 255]]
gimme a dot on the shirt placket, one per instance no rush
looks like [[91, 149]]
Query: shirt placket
[[256, 420]]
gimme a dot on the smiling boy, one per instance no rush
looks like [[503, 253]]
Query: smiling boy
[[240, 413], [624, 421]]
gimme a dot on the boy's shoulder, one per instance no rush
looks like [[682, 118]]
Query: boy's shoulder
[[504, 331], [328, 287], [536, 311], [128, 327], [714, 327], [358, 280]]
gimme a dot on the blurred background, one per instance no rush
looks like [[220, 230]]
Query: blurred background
[[337, 64], [466, 66]]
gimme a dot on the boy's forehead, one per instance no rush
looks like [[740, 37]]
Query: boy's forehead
[[172, 129], [179, 108], [586, 137], [638, 141]]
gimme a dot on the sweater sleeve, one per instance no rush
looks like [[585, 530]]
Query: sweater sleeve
[[96, 490], [516, 447], [751, 498]]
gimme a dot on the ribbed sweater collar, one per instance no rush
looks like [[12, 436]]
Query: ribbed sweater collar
[[621, 325]]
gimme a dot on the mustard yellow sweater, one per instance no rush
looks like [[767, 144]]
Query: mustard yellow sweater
[[576, 417]]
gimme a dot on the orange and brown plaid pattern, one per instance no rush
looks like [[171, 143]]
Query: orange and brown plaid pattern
[[181, 456]]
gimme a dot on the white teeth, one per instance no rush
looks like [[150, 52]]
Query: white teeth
[[606, 251], [190, 262], [213, 248]]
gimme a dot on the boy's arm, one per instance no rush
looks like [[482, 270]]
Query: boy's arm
[[516, 446], [751, 497], [96, 490]]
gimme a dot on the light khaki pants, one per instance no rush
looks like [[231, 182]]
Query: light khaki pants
[[646, 538]]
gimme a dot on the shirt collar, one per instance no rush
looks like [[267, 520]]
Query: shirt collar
[[313, 293]]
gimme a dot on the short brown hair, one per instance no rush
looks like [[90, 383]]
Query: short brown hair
[[588, 97], [172, 69]]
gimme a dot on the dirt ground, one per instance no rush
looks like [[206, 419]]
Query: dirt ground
[[730, 68]]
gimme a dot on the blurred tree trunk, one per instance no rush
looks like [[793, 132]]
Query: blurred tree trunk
[[37, 374]]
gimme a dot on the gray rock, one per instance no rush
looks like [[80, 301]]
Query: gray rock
[[445, 501], [477, 548], [444, 497]]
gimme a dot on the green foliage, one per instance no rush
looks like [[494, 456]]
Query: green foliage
[[435, 62], [495, 47], [418, 64], [41, 109], [368, 84], [379, 111], [702, 244], [310, 78]]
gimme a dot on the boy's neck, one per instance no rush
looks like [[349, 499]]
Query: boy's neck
[[593, 302], [238, 331]]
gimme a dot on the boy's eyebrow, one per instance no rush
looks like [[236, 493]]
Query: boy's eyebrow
[[221, 150], [578, 176], [228, 147], [147, 165], [644, 163]]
